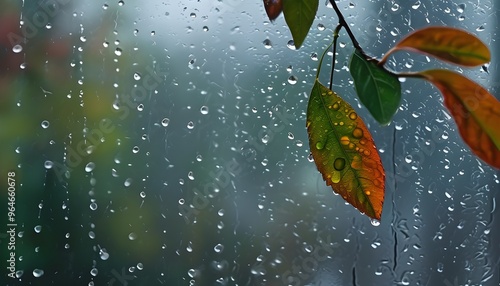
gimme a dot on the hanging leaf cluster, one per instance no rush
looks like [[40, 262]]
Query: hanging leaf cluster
[[341, 144]]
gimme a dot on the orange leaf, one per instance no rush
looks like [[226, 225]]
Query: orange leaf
[[447, 44], [475, 110], [344, 151]]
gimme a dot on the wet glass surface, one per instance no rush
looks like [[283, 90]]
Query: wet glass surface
[[165, 144]]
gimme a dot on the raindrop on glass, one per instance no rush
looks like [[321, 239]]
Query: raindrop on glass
[[204, 110], [219, 248], [118, 52], [93, 206], [165, 121], [132, 236], [89, 167], [94, 271], [190, 125], [48, 164], [103, 254], [38, 228], [17, 49], [267, 44], [45, 124], [292, 80], [38, 272]]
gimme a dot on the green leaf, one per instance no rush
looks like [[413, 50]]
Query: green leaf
[[299, 16], [475, 110], [378, 89], [344, 151], [448, 44]]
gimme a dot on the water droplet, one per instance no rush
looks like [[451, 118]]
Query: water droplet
[[38, 272], [339, 164], [103, 254], [192, 273], [38, 228], [219, 248], [118, 51], [408, 159], [132, 236], [45, 124], [140, 266], [137, 76], [83, 39], [221, 212], [461, 8], [204, 110], [48, 164], [190, 125], [19, 273], [165, 122], [127, 182], [205, 29], [290, 135], [17, 49], [267, 44], [105, 6], [121, 3], [440, 267], [321, 27], [353, 115], [191, 176], [314, 57], [291, 45], [93, 206], [89, 167], [265, 139], [135, 150], [375, 222], [192, 15], [357, 133], [94, 271], [292, 80], [320, 145], [142, 194], [199, 158]]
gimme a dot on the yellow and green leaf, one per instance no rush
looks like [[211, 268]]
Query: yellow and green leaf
[[445, 43], [344, 151], [475, 110]]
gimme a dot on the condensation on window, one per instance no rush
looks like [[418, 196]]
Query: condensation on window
[[164, 143]]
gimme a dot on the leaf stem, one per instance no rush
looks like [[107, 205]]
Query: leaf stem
[[344, 24], [334, 57]]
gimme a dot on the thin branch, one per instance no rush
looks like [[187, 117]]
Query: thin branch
[[344, 24], [335, 37]]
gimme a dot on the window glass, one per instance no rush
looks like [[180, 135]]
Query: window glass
[[164, 143]]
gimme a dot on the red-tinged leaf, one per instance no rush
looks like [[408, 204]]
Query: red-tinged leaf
[[273, 8], [448, 44], [475, 110], [344, 151]]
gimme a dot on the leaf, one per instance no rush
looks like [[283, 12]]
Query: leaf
[[344, 151], [378, 89], [273, 8], [475, 110], [447, 44], [299, 16]]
